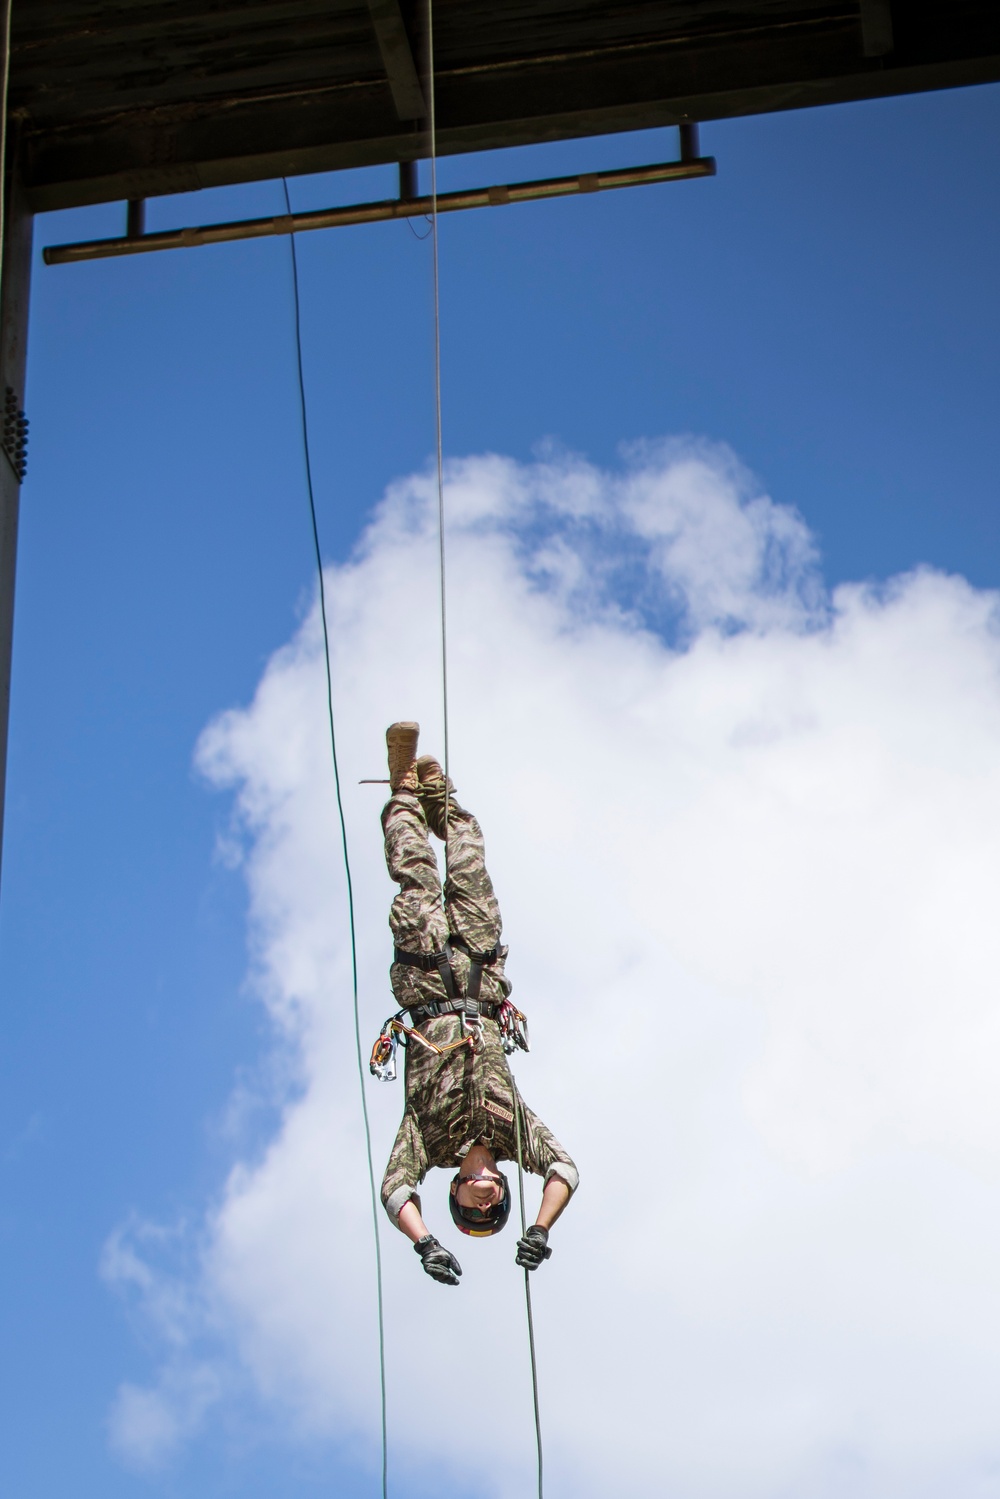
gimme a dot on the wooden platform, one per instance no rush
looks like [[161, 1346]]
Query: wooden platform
[[131, 98]]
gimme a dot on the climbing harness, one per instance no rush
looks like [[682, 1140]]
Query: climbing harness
[[470, 1009], [512, 1024], [428, 961], [383, 1058]]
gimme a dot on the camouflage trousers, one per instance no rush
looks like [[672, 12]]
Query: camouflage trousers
[[465, 1097], [422, 916]]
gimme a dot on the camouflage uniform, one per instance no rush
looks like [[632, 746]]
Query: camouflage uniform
[[463, 1098]]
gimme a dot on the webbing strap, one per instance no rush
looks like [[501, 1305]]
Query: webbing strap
[[477, 962], [463, 1005], [447, 972], [429, 961]]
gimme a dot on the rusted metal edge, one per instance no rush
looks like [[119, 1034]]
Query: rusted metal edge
[[373, 213]]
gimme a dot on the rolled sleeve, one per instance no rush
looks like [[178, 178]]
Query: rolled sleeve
[[397, 1200], [544, 1156], [566, 1172], [406, 1169]]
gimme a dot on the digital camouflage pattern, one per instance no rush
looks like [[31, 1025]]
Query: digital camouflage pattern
[[464, 1098]]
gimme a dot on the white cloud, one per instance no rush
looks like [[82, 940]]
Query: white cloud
[[145, 1426], [749, 880]]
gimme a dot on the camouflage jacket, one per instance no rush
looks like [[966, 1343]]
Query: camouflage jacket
[[462, 1099]]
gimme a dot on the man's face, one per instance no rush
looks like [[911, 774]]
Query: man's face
[[482, 1190]]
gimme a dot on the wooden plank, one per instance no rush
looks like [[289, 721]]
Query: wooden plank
[[397, 55], [383, 211], [876, 27], [312, 94]]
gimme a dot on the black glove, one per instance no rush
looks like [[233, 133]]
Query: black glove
[[533, 1248], [438, 1261]]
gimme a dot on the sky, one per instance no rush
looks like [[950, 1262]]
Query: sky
[[722, 465]]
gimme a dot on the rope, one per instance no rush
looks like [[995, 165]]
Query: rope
[[439, 445], [343, 842], [432, 110], [527, 1295]]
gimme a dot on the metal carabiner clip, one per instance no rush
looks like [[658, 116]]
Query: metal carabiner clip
[[383, 1058], [513, 1028]]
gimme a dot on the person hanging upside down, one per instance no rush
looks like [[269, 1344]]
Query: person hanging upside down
[[448, 973]]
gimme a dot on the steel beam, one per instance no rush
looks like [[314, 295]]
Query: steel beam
[[373, 213], [407, 179], [876, 27], [398, 59], [135, 218]]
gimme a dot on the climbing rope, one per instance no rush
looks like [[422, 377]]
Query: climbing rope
[[527, 1295], [439, 443], [343, 841], [432, 113], [443, 602]]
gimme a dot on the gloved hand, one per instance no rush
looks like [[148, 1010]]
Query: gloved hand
[[533, 1248], [438, 1261]]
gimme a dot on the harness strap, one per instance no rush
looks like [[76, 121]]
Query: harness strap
[[447, 972], [484, 1008], [429, 961], [477, 962]]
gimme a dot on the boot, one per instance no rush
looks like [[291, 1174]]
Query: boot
[[401, 743], [432, 792]]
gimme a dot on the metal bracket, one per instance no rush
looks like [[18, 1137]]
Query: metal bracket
[[14, 439], [876, 27]]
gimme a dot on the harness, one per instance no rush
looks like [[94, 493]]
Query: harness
[[512, 1024], [468, 1004]]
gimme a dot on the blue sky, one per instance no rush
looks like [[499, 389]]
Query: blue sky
[[827, 307]]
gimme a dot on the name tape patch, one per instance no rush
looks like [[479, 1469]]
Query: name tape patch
[[498, 1109]]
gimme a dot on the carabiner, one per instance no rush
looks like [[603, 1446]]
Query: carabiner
[[383, 1058], [513, 1028]]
